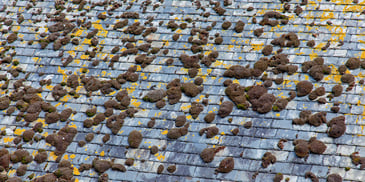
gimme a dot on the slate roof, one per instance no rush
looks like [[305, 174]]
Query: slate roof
[[335, 21]]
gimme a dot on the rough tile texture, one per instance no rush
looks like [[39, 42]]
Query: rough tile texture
[[336, 26]]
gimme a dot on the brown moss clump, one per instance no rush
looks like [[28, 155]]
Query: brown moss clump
[[225, 109], [238, 72], [58, 92], [347, 78], [353, 63], [4, 102], [91, 112], [258, 32], [21, 170], [316, 146], [101, 166], [191, 90], [196, 109], [226, 25], [180, 121], [89, 137], [303, 88], [207, 155], [276, 15], [316, 68], [174, 91], [4, 159], [226, 165], [12, 38], [236, 93], [263, 104], [210, 131], [311, 176], [317, 119], [311, 43], [175, 133], [129, 162], [154, 149], [22, 156], [171, 169], [154, 95], [218, 40], [267, 50], [73, 81], [198, 81], [301, 148], [337, 90], [189, 61], [52, 117], [61, 139], [115, 123], [134, 139], [287, 40], [278, 177], [356, 160], [209, 117], [303, 117], [239, 26], [47, 177], [268, 159], [144, 60], [28, 135], [334, 178], [337, 127], [41, 157], [160, 168], [280, 104], [65, 114]]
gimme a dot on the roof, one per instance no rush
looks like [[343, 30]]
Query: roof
[[107, 45]]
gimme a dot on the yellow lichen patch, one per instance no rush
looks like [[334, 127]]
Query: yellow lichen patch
[[36, 59], [84, 56], [327, 15], [63, 72], [49, 87], [102, 32], [313, 55], [135, 103], [52, 156], [11, 172], [320, 45], [257, 47], [164, 132], [78, 33], [76, 171], [8, 139], [15, 28], [185, 107], [19, 131], [65, 98], [72, 125], [65, 157], [102, 153], [160, 157]]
